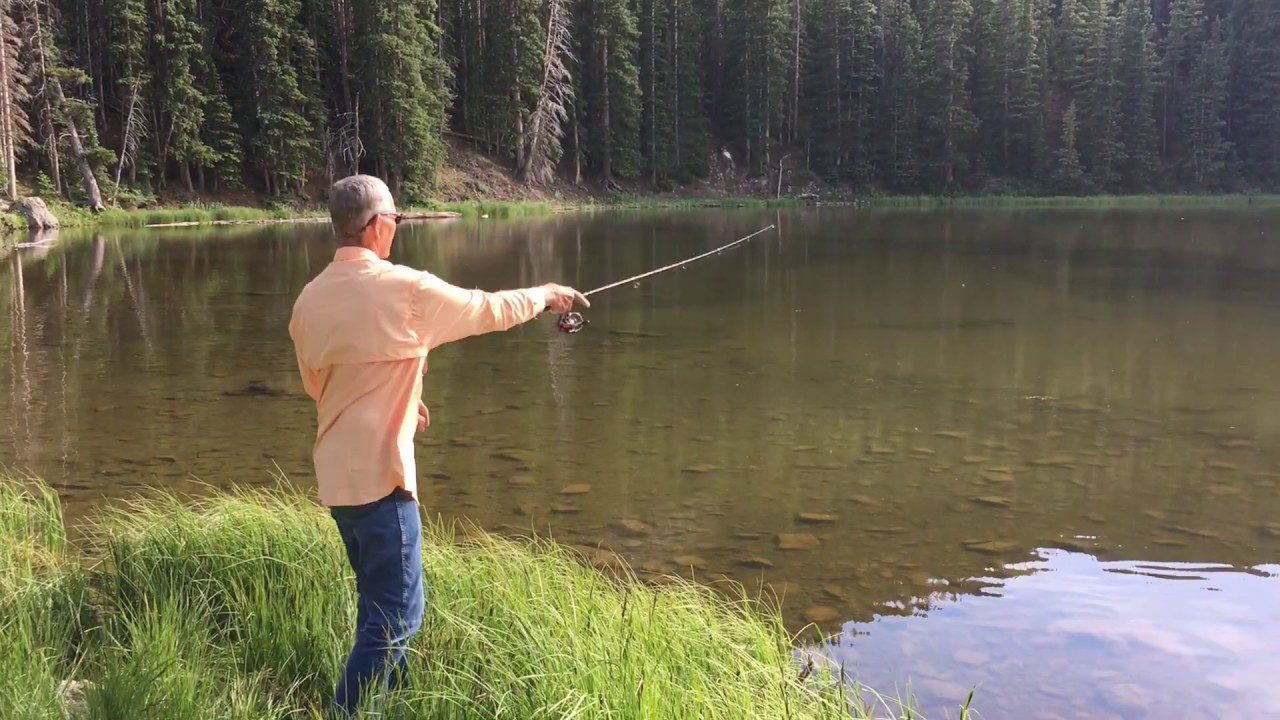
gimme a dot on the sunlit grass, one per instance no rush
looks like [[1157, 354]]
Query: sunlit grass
[[241, 606], [42, 602], [491, 209]]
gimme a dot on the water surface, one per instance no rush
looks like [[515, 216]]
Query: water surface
[[1034, 451]]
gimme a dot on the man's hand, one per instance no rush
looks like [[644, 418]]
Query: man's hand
[[424, 417], [561, 299]]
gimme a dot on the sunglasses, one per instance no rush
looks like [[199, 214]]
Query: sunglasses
[[396, 217]]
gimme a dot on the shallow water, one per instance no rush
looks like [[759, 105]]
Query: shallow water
[[1036, 450]]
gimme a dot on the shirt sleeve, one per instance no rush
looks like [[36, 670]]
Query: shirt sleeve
[[446, 313], [312, 380]]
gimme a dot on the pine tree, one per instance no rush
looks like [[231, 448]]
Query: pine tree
[[1135, 62], [1007, 86], [842, 75], [612, 89], [129, 47], [282, 115], [1255, 92], [180, 100], [946, 121], [690, 118], [1068, 173], [657, 88], [1183, 39], [758, 77], [1204, 115], [15, 128], [899, 94], [1085, 73], [402, 99]]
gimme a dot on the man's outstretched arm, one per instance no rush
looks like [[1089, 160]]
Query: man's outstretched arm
[[447, 313]]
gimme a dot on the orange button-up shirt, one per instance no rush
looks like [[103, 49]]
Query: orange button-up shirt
[[362, 330]]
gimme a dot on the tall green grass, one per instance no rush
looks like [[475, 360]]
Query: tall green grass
[[42, 602], [241, 606], [117, 217]]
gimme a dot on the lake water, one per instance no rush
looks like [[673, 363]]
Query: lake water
[[1039, 450]]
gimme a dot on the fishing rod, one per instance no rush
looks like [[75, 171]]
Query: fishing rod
[[573, 322]]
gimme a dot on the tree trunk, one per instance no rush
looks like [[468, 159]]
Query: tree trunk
[[184, 171], [653, 99], [606, 134], [675, 61], [7, 139], [795, 81], [87, 178], [577, 152]]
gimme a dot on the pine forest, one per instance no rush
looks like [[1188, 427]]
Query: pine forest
[[191, 97]]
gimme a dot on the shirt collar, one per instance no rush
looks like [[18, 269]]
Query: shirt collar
[[349, 253]]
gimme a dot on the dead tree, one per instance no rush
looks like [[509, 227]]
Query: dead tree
[[540, 143], [56, 108]]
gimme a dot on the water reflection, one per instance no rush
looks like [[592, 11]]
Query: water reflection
[[1071, 636], [864, 413]]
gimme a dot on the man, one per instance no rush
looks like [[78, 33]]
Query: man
[[362, 330]]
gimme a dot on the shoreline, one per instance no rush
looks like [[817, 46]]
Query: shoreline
[[209, 214]]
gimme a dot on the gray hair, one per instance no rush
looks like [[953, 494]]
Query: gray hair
[[353, 201]]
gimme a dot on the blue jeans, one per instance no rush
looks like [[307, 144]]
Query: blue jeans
[[384, 547]]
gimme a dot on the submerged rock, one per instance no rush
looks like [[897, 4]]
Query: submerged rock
[[836, 592], [513, 455], [1061, 461], [576, 489], [797, 541], [702, 469], [691, 561], [630, 528], [995, 475], [821, 614]]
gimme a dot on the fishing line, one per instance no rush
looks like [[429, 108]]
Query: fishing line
[[573, 322]]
